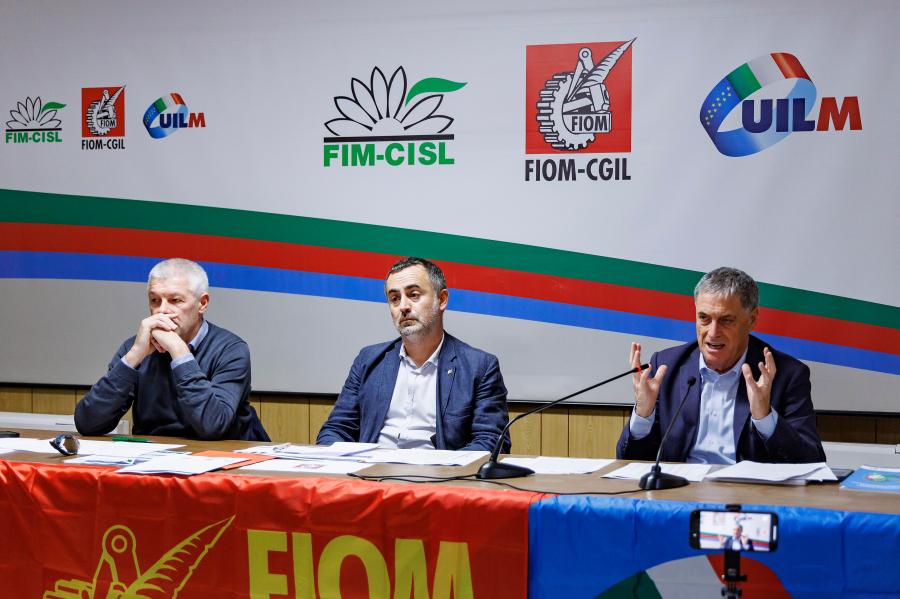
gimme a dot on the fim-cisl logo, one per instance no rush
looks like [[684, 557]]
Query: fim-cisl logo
[[578, 101], [386, 123], [776, 96], [34, 122], [167, 114], [103, 125]]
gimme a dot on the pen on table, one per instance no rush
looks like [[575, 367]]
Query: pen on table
[[132, 439]]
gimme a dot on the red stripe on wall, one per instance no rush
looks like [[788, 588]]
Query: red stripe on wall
[[789, 65], [270, 254]]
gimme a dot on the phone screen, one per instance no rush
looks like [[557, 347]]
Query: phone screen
[[735, 531]]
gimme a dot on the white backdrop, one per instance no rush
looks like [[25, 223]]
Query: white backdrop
[[816, 212]]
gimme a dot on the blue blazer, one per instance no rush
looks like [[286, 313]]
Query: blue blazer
[[471, 398], [795, 439]]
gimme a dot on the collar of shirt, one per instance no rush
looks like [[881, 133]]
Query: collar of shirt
[[714, 443], [199, 337], [708, 374], [433, 359]]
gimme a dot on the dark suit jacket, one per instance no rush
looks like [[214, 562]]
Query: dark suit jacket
[[471, 398], [726, 544], [795, 439]]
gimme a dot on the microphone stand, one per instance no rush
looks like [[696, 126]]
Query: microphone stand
[[493, 469], [656, 478]]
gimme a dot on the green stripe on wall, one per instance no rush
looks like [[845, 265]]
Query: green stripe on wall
[[34, 207]]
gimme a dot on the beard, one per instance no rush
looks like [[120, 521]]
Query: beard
[[422, 325]]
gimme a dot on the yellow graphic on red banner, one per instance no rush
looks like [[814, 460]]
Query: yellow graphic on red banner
[[118, 574], [452, 570]]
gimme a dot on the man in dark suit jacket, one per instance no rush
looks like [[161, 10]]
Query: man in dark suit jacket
[[738, 409], [738, 541], [426, 389]]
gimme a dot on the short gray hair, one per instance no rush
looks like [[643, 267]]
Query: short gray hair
[[435, 274], [726, 281], [175, 267]]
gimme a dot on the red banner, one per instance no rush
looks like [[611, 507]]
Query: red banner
[[86, 532]]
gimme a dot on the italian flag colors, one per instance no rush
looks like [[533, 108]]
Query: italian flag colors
[[760, 72], [169, 101]]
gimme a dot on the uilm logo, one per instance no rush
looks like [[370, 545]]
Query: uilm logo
[[765, 120]]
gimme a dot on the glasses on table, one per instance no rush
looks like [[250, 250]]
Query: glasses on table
[[66, 444]]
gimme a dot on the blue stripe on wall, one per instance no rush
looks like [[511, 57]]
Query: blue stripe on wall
[[51, 265]]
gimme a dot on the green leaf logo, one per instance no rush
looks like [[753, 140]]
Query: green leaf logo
[[433, 85], [52, 106]]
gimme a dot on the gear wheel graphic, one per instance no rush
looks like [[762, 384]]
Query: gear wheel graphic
[[92, 120], [550, 116]]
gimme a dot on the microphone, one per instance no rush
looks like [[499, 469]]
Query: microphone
[[493, 469], [656, 478]]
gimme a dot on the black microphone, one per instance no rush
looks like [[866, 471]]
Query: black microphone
[[494, 469], [656, 478]]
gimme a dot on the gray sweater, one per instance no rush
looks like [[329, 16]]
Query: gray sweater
[[204, 398]]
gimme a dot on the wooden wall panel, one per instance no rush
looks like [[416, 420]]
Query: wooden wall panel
[[846, 429], [46, 400], [525, 434], [319, 409], [555, 432], [285, 419], [577, 432], [887, 430], [593, 432], [15, 399]]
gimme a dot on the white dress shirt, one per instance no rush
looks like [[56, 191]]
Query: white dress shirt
[[411, 419]]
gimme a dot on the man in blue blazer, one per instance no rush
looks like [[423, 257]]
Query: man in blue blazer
[[738, 408], [426, 389]]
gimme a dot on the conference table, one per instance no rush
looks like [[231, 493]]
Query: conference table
[[88, 531]]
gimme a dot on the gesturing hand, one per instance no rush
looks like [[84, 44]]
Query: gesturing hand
[[646, 388], [759, 392]]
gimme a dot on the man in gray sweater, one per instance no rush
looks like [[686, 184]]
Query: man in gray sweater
[[181, 375]]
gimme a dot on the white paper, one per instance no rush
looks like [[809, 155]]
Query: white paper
[[179, 464], [759, 472], [125, 449], [307, 466], [101, 460], [551, 465], [424, 457], [111, 460], [634, 471], [26, 444]]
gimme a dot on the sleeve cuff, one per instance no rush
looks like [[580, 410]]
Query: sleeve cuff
[[124, 371], [182, 360], [766, 426], [640, 427]]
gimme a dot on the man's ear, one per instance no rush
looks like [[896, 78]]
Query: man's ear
[[753, 315], [443, 298], [203, 300]]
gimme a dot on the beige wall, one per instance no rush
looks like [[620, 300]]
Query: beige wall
[[573, 431]]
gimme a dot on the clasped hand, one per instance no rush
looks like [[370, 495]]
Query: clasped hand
[[157, 332]]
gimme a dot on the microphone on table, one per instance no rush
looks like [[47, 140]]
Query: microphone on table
[[656, 478], [495, 469]]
